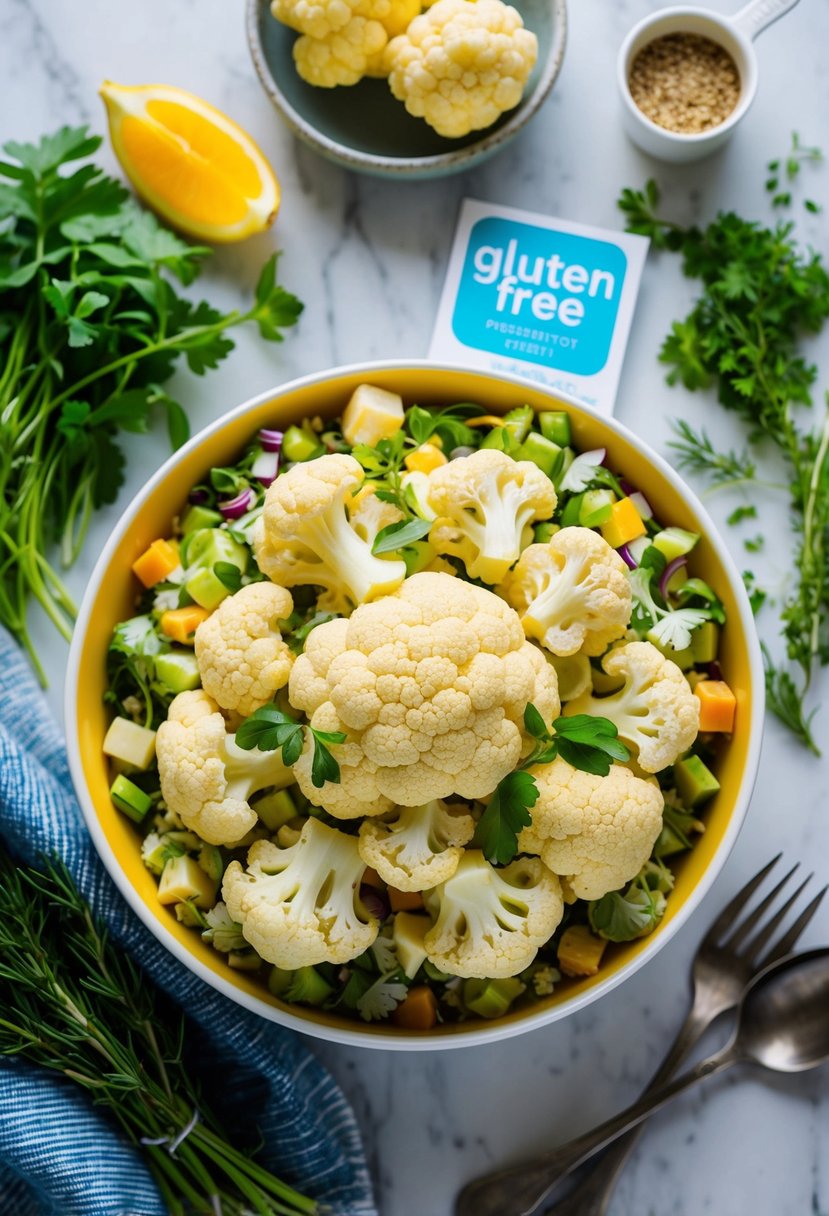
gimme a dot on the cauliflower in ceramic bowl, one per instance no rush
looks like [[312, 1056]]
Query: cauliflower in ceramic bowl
[[414, 723], [406, 88]]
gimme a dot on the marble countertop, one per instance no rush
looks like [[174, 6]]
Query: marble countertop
[[368, 258]]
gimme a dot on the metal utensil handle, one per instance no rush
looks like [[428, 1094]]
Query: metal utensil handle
[[520, 1189], [759, 14]]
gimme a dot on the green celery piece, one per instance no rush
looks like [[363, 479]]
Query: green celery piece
[[275, 809], [595, 507], [555, 426], [207, 546], [129, 799], [695, 783], [299, 444], [207, 589], [197, 517], [545, 532], [675, 542], [491, 998], [571, 511], [542, 452], [519, 421], [705, 642], [177, 670]]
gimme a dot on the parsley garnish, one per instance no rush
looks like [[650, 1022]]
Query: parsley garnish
[[91, 327], [586, 742], [269, 728]]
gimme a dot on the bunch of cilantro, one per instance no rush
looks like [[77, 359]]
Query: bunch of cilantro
[[760, 295], [91, 327]]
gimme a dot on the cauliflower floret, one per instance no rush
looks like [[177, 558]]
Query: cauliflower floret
[[299, 906], [571, 593], [341, 57], [491, 922], [356, 793], [462, 64], [430, 684], [317, 18], [369, 515], [595, 832], [485, 503], [303, 535], [242, 658], [654, 710], [206, 778], [416, 847]]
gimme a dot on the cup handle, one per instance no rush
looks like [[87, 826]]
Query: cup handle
[[754, 18]]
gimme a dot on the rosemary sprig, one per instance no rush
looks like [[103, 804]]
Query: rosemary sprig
[[73, 1003]]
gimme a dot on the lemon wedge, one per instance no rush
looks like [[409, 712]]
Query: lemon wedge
[[191, 163]]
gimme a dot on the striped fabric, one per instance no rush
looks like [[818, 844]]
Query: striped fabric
[[59, 1155]]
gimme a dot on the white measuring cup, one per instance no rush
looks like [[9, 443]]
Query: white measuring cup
[[734, 34]]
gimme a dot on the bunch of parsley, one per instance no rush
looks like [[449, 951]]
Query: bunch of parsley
[[761, 293], [91, 327]]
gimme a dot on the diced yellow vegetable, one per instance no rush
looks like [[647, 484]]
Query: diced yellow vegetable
[[408, 933], [183, 878], [180, 624], [580, 951], [130, 743], [424, 459], [418, 1011], [624, 525], [372, 414], [717, 706], [156, 563]]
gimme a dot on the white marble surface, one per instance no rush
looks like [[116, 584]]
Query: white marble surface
[[368, 257]]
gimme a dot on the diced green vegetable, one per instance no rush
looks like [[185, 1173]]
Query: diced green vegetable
[[675, 542], [544, 532], [518, 422], [595, 507], [304, 986], [129, 798], [684, 658], [130, 744], [276, 809], [299, 444], [571, 511], [678, 827], [555, 425], [190, 915], [244, 960], [177, 670], [542, 452], [565, 458], [197, 517], [695, 783], [210, 860], [499, 439], [705, 642], [207, 546], [207, 589], [491, 998]]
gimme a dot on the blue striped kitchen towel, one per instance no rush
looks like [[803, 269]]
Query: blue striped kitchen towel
[[59, 1155]]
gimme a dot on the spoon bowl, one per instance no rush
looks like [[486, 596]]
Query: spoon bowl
[[784, 1015]]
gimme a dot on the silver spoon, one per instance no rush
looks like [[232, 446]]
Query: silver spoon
[[782, 1025]]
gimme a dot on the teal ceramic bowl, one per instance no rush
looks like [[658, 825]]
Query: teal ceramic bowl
[[365, 128]]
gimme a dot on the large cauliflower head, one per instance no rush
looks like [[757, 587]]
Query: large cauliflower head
[[242, 658], [571, 593], [596, 832], [654, 710], [485, 504], [490, 923], [462, 64], [430, 684]]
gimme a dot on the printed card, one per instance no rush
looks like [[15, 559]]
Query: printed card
[[541, 298]]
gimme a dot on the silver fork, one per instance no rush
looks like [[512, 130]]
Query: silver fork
[[727, 958]]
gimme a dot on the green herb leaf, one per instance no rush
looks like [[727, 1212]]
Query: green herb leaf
[[229, 576], [507, 813], [395, 536]]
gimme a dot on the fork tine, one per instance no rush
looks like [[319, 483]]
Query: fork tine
[[744, 928], [761, 939], [729, 912], [789, 940]]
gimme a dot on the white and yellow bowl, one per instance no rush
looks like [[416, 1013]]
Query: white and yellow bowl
[[110, 598]]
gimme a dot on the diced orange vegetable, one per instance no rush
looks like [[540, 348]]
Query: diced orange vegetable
[[424, 459], [180, 624], [417, 1011], [624, 525], [155, 563], [580, 951], [485, 420], [372, 879], [717, 706], [404, 901]]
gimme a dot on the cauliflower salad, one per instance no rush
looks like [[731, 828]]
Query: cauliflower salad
[[415, 709]]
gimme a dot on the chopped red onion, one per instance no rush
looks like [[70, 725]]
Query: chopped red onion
[[232, 508], [668, 573], [627, 487], [714, 670], [641, 503], [266, 466], [627, 557], [271, 440], [375, 902]]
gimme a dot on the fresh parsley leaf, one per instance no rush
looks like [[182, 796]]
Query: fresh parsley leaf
[[323, 765], [741, 513], [507, 813], [396, 535]]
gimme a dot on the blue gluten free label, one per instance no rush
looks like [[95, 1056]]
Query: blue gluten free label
[[539, 295]]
